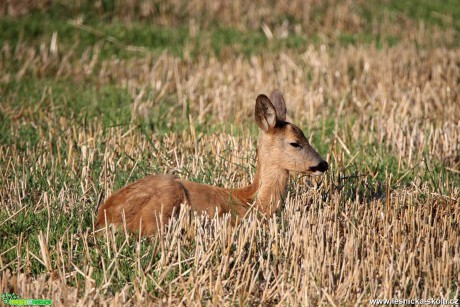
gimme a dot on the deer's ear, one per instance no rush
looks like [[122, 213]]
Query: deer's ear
[[278, 102], [265, 113]]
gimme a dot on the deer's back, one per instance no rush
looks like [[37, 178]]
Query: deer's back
[[148, 199], [211, 199], [151, 201]]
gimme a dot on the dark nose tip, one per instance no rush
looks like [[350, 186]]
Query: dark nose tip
[[322, 167]]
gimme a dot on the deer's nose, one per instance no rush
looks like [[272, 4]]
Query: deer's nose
[[321, 167]]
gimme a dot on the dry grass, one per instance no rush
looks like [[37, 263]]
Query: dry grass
[[376, 21], [383, 222], [403, 98], [318, 252]]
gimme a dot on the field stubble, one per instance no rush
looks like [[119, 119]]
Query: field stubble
[[382, 223]]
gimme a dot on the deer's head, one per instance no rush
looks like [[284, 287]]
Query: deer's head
[[283, 145]]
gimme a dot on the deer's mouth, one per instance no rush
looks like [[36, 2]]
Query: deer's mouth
[[319, 169]]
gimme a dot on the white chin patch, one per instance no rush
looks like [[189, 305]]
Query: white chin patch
[[317, 173]]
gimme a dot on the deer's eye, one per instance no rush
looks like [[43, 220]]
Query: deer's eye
[[294, 144]]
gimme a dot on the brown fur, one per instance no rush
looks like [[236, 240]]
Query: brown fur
[[149, 203]]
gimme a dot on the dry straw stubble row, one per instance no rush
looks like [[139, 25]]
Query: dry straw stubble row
[[326, 247]]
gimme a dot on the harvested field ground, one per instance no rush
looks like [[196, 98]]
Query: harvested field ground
[[96, 95]]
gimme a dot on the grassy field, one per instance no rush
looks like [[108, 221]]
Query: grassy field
[[94, 95]]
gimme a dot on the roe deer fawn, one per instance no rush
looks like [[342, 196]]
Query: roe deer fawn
[[148, 203]]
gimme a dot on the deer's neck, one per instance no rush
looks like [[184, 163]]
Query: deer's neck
[[268, 189]]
